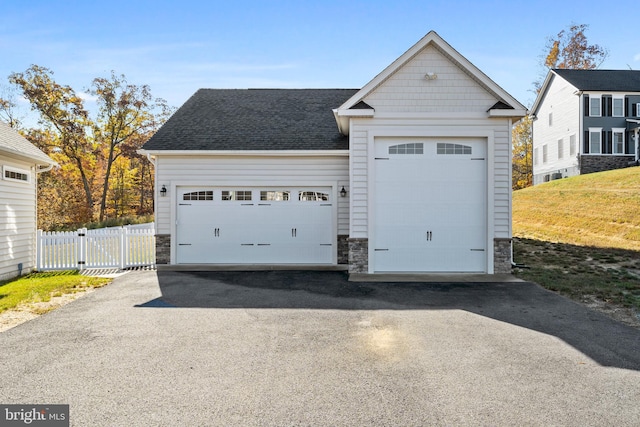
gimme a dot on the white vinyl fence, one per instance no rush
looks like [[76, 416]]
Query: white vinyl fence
[[115, 247]]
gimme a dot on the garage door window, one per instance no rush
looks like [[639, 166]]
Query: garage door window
[[275, 196], [198, 195], [236, 195], [415, 148], [444, 148], [313, 196]]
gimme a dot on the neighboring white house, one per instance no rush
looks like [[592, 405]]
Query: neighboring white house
[[411, 173], [21, 161], [585, 121]]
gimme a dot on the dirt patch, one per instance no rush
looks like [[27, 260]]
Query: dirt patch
[[24, 313], [604, 279], [624, 315]]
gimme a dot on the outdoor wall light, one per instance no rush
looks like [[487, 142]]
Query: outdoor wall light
[[343, 192], [163, 191]]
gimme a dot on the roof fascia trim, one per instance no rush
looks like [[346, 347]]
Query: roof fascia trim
[[31, 159], [228, 153]]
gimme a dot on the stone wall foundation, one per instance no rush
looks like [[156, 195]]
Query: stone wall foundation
[[502, 256], [358, 255], [163, 248]]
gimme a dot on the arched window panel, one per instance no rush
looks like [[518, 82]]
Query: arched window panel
[[447, 148], [198, 195], [412, 148]]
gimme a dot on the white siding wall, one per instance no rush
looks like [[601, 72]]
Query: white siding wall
[[408, 91], [251, 171], [495, 131], [17, 221], [564, 106]]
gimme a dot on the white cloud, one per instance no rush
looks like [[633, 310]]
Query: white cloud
[[636, 57]]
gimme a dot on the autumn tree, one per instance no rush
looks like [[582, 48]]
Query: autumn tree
[[8, 107], [522, 169], [571, 50], [88, 146], [124, 122], [62, 112]]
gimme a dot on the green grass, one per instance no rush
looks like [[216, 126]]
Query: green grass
[[40, 287], [580, 236], [581, 272]]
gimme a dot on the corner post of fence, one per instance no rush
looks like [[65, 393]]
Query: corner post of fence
[[82, 248], [39, 250]]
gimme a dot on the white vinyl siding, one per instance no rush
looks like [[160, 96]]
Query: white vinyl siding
[[408, 91], [559, 98], [235, 171], [17, 220]]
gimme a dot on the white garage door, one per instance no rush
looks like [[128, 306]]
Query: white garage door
[[430, 205], [237, 225]]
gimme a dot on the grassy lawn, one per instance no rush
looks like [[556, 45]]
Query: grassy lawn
[[580, 237], [581, 273], [41, 287]]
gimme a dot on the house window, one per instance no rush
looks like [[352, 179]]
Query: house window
[[443, 148], [618, 140], [572, 145], [535, 156], [595, 140], [550, 119], [544, 154], [594, 106], [236, 195], [275, 196], [198, 195], [417, 148], [13, 174], [618, 107], [560, 149], [313, 196]]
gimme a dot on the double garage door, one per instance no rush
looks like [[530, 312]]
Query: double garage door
[[430, 205], [239, 225]]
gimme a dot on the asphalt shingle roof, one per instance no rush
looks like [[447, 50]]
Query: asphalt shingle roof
[[255, 119], [602, 80], [11, 141]]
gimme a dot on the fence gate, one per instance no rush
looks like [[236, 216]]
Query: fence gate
[[117, 247]]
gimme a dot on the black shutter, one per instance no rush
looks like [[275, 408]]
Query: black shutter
[[609, 142], [586, 105], [609, 106], [634, 113], [626, 106], [585, 144], [603, 106]]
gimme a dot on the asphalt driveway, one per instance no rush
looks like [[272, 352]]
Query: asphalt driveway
[[310, 348]]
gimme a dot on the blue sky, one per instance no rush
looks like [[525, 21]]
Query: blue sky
[[177, 47]]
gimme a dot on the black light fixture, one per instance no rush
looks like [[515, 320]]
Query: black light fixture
[[343, 192], [163, 191]]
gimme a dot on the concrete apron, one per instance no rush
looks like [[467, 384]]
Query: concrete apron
[[354, 277]]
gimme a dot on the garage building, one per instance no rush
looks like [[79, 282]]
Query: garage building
[[411, 173]]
